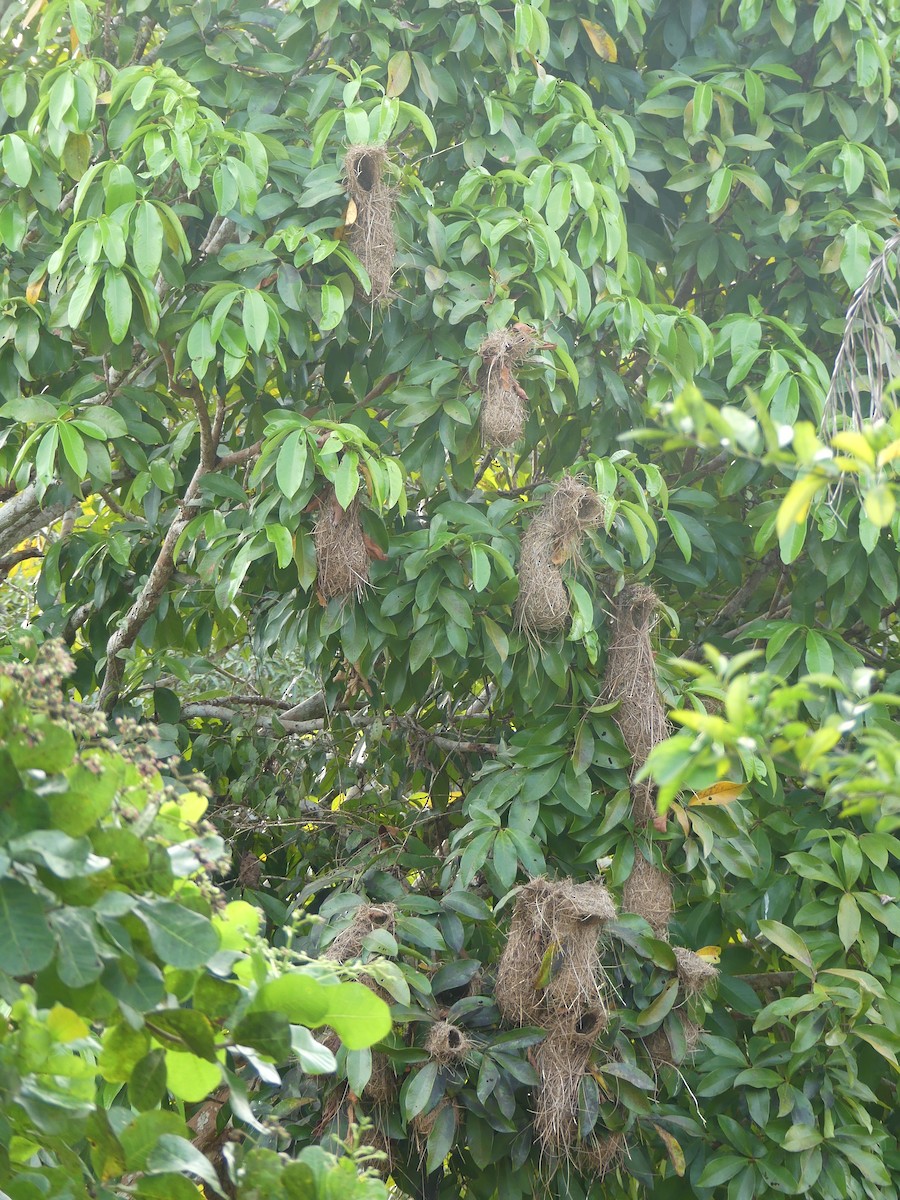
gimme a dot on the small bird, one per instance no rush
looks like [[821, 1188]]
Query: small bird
[[551, 965]]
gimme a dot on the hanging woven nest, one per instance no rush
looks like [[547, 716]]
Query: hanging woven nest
[[370, 235], [630, 679], [694, 973], [342, 560], [504, 403], [648, 893], [561, 1061], [553, 538], [447, 1043]]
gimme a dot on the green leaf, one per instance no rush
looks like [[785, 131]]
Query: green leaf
[[147, 1084], [183, 1029], [419, 1089], [291, 462], [332, 301], [181, 937], [302, 999], [173, 1153], [255, 318], [117, 303], [26, 943], [266, 1032], [147, 239], [16, 160], [787, 940], [281, 540]]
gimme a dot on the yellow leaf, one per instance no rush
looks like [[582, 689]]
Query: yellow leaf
[[880, 504], [603, 44], [673, 1147], [795, 506], [681, 817], [66, 1025], [889, 453], [710, 954], [34, 289], [399, 72], [351, 214], [719, 793], [854, 443]]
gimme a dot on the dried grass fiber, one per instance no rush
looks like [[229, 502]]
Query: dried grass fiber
[[648, 893], [447, 1043], [600, 1154], [661, 1050], [342, 561], [371, 235], [503, 401], [553, 538], [694, 974], [560, 1061], [555, 933], [349, 942], [631, 680]]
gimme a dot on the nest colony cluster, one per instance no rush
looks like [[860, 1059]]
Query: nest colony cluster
[[342, 560], [550, 975], [553, 538], [641, 717], [370, 235], [504, 403]]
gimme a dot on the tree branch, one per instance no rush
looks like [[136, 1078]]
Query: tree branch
[[149, 596], [236, 457], [22, 516], [12, 560]]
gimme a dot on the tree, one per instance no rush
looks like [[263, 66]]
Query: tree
[[365, 367], [133, 989]]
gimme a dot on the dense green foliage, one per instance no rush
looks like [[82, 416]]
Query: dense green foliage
[[130, 987], [681, 197]]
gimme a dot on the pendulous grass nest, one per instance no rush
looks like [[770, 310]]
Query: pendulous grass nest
[[553, 538], [550, 967], [648, 893], [694, 974], [371, 234], [342, 561], [630, 679], [447, 1043], [504, 403]]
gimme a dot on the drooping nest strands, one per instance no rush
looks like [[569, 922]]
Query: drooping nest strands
[[648, 893], [561, 1061], [631, 680], [381, 1086], [447, 1043], [504, 406], [371, 233], [553, 538], [550, 967], [599, 1155], [342, 561], [694, 974]]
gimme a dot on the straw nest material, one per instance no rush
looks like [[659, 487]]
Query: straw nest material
[[371, 232], [694, 973], [553, 538], [503, 401], [660, 1048], [367, 918], [342, 561], [600, 1154], [381, 1086], [648, 893], [631, 680], [561, 1061], [447, 1043], [550, 967], [424, 1123]]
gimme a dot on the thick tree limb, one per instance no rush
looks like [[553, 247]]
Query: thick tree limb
[[17, 556], [236, 457], [22, 516]]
